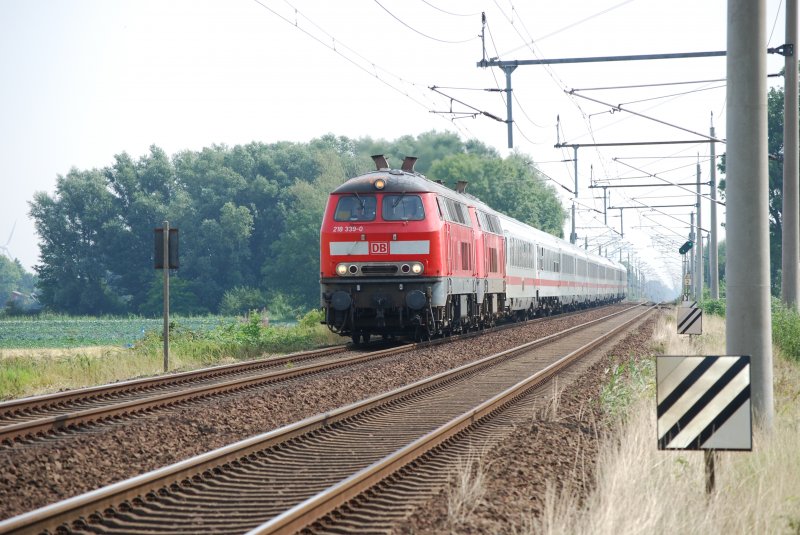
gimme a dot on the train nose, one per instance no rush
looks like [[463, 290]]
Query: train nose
[[341, 300]]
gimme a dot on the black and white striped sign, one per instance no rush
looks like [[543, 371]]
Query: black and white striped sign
[[704, 403], [690, 320]]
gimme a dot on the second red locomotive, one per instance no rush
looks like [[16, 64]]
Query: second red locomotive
[[403, 255]]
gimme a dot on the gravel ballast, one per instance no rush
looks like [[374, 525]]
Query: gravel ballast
[[45, 470], [549, 451]]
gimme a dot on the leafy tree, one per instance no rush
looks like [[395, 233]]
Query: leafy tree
[[145, 193], [184, 296], [17, 288], [427, 147], [509, 185], [249, 219], [295, 258], [72, 276], [775, 207], [11, 273]]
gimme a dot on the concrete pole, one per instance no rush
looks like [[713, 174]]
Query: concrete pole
[[748, 322], [621, 228], [713, 248], [573, 237], [605, 207], [699, 245], [508, 70], [790, 246], [630, 288], [690, 256]]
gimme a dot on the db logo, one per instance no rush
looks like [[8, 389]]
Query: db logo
[[380, 247]]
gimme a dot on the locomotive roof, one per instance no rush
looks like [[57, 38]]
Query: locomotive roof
[[399, 181], [396, 182]]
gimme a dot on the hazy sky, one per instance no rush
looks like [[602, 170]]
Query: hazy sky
[[84, 80]]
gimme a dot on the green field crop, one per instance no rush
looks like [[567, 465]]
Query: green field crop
[[65, 332]]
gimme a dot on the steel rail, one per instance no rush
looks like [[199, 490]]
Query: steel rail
[[134, 385], [316, 507], [62, 421], [51, 516], [137, 385], [65, 420]]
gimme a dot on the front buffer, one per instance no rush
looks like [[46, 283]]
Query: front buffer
[[400, 308]]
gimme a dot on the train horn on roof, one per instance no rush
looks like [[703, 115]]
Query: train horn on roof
[[380, 161], [408, 164], [461, 186]]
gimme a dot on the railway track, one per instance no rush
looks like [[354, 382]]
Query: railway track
[[285, 479], [65, 411]]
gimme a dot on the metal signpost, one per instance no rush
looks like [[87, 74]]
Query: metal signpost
[[687, 277], [703, 403], [166, 258]]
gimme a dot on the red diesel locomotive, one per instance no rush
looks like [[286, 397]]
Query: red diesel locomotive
[[402, 255]]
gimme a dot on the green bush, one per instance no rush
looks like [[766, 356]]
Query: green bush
[[312, 319], [786, 329], [241, 299], [785, 324], [713, 307], [245, 338], [626, 379], [283, 308]]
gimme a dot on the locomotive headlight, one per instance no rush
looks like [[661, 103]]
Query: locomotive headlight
[[416, 268], [341, 270], [379, 183]]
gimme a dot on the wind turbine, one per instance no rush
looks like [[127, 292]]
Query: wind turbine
[[4, 248]]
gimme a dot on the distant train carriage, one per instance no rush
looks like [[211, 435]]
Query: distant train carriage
[[402, 255]]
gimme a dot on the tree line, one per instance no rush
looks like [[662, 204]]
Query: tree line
[[249, 219], [775, 122], [16, 286]]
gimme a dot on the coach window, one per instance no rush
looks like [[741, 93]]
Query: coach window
[[355, 208], [402, 208]]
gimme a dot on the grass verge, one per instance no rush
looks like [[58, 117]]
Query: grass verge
[[25, 375], [642, 490]]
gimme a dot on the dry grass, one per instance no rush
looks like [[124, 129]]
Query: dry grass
[[550, 411], [643, 490], [468, 489], [60, 353]]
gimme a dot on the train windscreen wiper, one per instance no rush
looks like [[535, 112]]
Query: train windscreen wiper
[[398, 199]]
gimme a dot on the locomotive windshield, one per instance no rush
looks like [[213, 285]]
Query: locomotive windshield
[[356, 208], [402, 208]]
